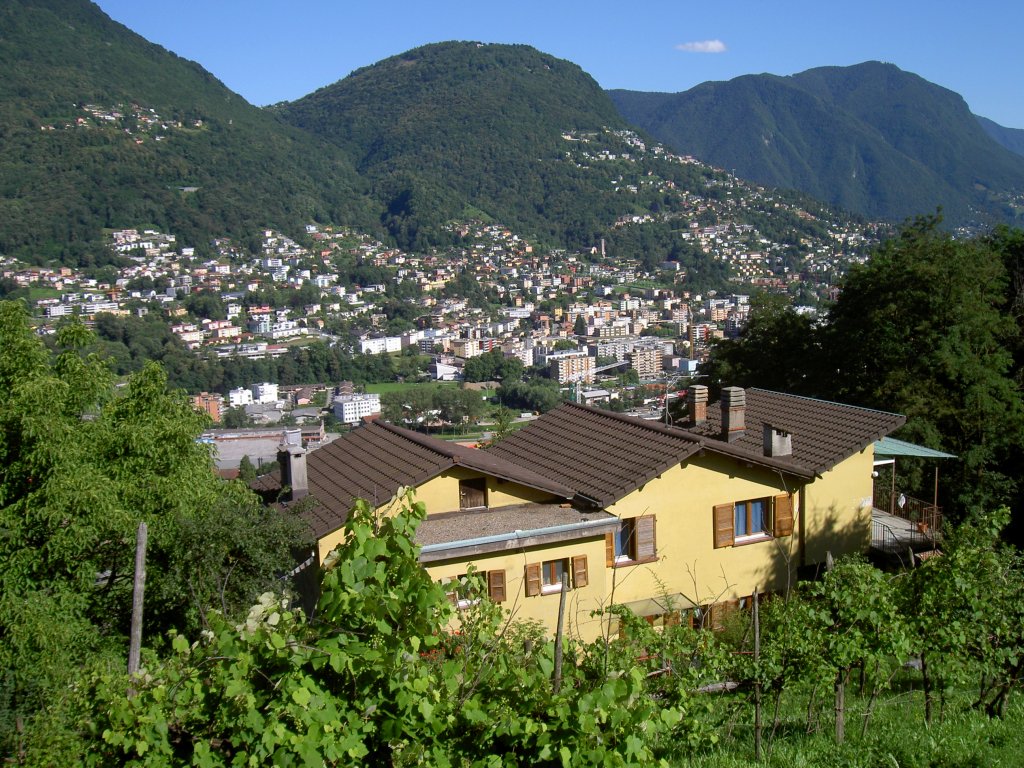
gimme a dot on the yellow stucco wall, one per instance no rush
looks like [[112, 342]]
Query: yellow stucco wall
[[683, 500], [839, 509], [833, 513], [441, 494], [543, 608]]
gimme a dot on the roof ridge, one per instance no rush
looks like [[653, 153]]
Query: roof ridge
[[424, 441], [651, 425]]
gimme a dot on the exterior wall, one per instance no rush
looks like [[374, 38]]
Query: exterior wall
[[839, 509], [683, 501], [441, 493], [544, 607], [831, 514]]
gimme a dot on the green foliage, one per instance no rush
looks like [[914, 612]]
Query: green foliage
[[493, 366], [423, 406], [967, 618], [80, 467], [930, 328], [376, 677], [535, 395]]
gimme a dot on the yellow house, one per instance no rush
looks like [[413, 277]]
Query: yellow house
[[663, 520], [740, 498]]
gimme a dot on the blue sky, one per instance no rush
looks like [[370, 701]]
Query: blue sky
[[271, 50]]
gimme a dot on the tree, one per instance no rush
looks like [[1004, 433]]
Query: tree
[[246, 470], [81, 464], [236, 418], [921, 330], [778, 349], [579, 328]]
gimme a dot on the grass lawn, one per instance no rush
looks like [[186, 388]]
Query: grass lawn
[[402, 386]]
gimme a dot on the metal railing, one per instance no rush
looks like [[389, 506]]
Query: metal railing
[[925, 515]]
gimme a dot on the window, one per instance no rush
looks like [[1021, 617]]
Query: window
[[753, 520], [634, 542], [546, 578], [750, 518], [473, 493]]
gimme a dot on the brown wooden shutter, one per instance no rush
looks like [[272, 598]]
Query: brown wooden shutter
[[533, 579], [646, 545], [609, 549], [783, 525], [579, 572], [724, 525], [496, 586]]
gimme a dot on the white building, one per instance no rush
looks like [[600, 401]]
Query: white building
[[264, 393], [238, 398], [351, 409], [382, 344]]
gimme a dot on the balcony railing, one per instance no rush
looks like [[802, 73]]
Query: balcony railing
[[925, 515]]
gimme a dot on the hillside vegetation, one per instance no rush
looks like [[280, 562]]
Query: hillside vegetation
[[79, 153]]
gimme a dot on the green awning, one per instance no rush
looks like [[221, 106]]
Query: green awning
[[890, 447]]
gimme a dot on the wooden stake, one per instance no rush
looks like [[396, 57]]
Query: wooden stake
[[558, 634], [757, 680], [138, 593]]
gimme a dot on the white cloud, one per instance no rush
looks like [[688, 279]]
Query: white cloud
[[703, 46]]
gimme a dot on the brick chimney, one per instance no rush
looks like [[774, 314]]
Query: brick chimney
[[697, 401], [734, 407], [292, 458]]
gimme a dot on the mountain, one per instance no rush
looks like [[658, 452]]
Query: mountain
[[463, 128], [1011, 138], [870, 138], [100, 128]]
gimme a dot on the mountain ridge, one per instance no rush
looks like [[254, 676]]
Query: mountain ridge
[[870, 138]]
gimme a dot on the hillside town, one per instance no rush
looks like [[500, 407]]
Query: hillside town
[[596, 324]]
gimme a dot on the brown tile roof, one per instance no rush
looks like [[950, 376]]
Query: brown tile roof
[[602, 455], [374, 461], [823, 433]]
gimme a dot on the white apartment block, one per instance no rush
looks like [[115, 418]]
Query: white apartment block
[[239, 398], [264, 393], [350, 409]]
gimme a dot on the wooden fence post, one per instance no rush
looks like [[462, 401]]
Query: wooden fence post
[[138, 594], [559, 633]]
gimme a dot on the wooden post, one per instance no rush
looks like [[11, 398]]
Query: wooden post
[[757, 680], [559, 633], [840, 707], [138, 593]]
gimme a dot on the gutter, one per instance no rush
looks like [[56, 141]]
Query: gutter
[[515, 539]]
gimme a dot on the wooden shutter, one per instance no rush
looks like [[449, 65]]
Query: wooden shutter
[[646, 546], [473, 493], [496, 586], [783, 523], [533, 582], [579, 572], [723, 525], [609, 549]]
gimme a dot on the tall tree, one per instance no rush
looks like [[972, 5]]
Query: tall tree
[[81, 464], [921, 329]]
